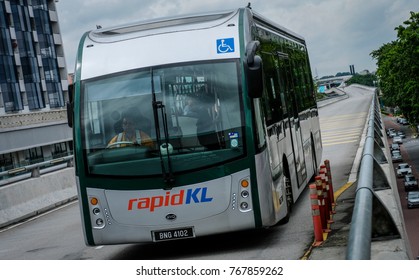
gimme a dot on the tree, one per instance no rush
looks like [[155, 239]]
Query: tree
[[366, 80], [398, 69]]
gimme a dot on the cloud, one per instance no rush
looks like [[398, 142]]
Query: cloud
[[338, 33]]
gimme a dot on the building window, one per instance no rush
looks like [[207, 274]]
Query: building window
[[59, 150], [6, 162], [49, 57], [34, 155], [9, 85]]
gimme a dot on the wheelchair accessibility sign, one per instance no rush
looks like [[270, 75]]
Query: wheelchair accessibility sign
[[225, 45]]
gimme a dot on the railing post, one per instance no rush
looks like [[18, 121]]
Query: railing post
[[36, 172]]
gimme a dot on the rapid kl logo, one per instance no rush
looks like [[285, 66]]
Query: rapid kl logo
[[183, 197]]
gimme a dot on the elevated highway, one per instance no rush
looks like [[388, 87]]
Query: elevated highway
[[326, 84], [20, 200]]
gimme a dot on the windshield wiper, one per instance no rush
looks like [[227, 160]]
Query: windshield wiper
[[168, 177]]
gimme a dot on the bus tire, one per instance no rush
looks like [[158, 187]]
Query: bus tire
[[314, 158], [288, 200]]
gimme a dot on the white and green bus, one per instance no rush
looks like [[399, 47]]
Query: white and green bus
[[224, 128]]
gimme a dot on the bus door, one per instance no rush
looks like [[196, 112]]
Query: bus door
[[289, 101]]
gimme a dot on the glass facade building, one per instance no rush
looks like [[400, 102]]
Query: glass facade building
[[33, 83], [30, 73]]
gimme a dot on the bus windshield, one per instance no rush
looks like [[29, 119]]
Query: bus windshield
[[181, 117]]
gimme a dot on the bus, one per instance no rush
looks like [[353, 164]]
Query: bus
[[191, 126]]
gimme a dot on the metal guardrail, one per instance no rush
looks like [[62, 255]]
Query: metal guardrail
[[359, 243], [368, 210], [35, 169]]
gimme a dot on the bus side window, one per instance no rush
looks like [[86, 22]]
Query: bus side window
[[271, 95]]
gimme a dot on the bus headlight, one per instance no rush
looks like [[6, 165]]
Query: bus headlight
[[97, 216], [245, 194], [99, 222], [244, 199], [244, 205], [96, 211]]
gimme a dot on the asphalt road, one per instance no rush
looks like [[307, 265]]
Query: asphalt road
[[410, 154], [342, 124]]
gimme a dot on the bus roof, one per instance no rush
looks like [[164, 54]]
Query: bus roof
[[181, 23], [161, 25], [176, 40]]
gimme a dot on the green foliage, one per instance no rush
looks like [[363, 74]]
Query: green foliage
[[340, 74], [398, 69], [366, 80]]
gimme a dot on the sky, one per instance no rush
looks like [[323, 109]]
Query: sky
[[338, 33]]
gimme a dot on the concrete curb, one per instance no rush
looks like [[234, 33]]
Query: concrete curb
[[28, 198]]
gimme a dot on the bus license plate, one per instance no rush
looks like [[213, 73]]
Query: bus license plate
[[171, 234]]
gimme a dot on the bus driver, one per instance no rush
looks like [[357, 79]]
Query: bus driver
[[130, 135]]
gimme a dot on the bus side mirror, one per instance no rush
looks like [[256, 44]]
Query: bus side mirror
[[70, 105], [253, 68], [70, 114]]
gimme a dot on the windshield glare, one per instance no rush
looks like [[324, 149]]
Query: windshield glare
[[186, 116]]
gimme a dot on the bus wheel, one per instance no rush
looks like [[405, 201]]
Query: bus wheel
[[289, 200], [314, 158]]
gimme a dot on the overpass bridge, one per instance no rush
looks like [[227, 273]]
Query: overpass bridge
[[326, 84]]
